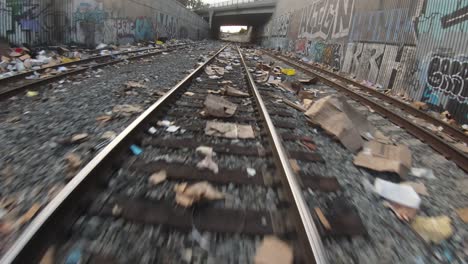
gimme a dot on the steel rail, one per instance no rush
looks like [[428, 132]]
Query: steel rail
[[315, 248], [66, 206], [447, 128], [16, 89], [439, 145]]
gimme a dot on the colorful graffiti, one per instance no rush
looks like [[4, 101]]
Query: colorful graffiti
[[25, 14], [449, 76], [326, 19]]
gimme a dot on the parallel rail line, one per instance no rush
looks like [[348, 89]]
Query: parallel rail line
[[17, 83], [52, 225], [438, 144]]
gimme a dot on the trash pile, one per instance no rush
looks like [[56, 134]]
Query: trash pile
[[18, 60], [373, 150]]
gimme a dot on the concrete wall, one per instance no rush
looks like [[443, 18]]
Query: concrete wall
[[94, 21], [414, 47]]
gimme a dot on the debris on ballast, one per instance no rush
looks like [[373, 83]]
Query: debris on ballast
[[272, 250], [158, 177], [229, 130], [207, 162], [433, 229], [217, 106], [187, 195], [136, 150]]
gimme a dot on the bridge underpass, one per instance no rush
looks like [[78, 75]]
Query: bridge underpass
[[252, 13]]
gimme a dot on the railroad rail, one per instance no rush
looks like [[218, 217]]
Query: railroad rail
[[93, 191], [438, 144], [18, 83]]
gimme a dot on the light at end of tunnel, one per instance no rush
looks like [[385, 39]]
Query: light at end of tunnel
[[232, 29]]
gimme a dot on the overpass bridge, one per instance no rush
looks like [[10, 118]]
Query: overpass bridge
[[252, 13]]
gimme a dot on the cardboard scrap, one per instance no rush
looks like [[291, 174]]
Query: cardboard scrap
[[218, 106], [330, 115], [229, 130], [419, 105], [293, 105], [207, 162], [127, 109], [463, 214], [382, 157], [73, 161], [433, 229], [273, 251], [78, 138], [322, 218], [404, 213], [187, 195], [158, 177], [231, 91]]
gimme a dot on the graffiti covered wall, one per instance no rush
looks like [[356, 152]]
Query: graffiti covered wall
[[34, 21], [91, 22], [416, 48], [126, 21]]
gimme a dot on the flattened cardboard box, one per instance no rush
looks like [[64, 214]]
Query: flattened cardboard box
[[327, 113], [382, 157]]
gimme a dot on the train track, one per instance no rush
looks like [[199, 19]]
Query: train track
[[394, 111], [19, 82], [113, 188]]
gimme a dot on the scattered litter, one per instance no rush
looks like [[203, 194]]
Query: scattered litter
[[463, 214], [101, 46], [313, 80], [127, 110], [273, 251], [49, 256], [294, 166], [201, 240], [294, 105], [322, 218], [231, 91], [433, 229], [218, 106], [422, 173], [172, 129], [74, 162], [136, 150], [78, 138], [189, 93], [116, 210], [158, 177], [419, 105], [199, 79], [74, 257], [109, 135], [404, 213], [208, 163], [418, 187], [152, 130], [132, 84], [401, 194], [330, 114], [188, 195], [382, 157], [251, 172], [289, 72], [103, 118], [205, 151], [229, 130], [32, 93], [26, 217], [164, 123], [62, 69]]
